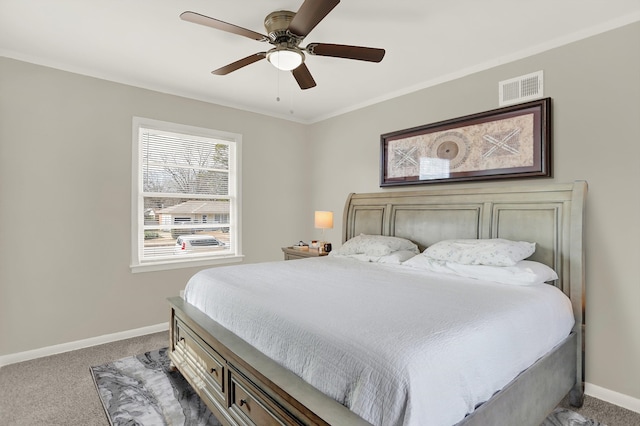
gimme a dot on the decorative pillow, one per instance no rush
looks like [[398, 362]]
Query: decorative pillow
[[492, 252], [525, 272], [375, 245]]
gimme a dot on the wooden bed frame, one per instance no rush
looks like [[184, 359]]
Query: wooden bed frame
[[242, 386]]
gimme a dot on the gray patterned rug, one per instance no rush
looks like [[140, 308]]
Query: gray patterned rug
[[141, 390]]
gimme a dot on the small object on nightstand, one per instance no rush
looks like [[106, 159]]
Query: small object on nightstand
[[291, 253], [301, 245]]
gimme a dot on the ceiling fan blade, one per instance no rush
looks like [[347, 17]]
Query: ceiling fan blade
[[348, 52], [240, 63], [197, 18], [310, 14], [303, 77]]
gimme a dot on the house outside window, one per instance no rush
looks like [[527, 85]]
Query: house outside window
[[185, 196]]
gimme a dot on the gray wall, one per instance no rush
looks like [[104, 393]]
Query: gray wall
[[65, 185], [65, 153], [595, 89]]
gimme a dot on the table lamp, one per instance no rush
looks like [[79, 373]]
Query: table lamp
[[323, 220]]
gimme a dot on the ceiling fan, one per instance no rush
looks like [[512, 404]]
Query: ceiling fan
[[286, 30]]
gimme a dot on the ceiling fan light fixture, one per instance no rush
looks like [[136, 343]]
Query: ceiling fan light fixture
[[285, 59]]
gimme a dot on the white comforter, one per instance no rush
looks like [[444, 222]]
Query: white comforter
[[396, 345]]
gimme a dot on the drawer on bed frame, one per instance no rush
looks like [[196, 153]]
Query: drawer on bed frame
[[249, 405], [203, 360]]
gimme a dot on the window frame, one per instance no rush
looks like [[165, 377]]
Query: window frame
[[138, 264]]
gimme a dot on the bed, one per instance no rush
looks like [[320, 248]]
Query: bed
[[242, 385]]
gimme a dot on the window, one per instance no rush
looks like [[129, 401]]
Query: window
[[183, 177]]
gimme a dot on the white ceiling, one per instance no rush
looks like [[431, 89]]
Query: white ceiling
[[144, 43]]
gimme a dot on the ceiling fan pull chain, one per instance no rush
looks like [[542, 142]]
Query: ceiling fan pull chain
[[278, 85], [290, 100]]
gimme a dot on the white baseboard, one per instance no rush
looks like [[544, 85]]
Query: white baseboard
[[80, 344], [619, 399]]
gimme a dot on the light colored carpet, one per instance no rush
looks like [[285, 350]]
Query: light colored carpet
[[58, 390]]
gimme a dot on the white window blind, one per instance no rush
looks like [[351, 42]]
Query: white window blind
[[186, 205]]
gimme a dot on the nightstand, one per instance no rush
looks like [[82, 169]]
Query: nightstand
[[292, 254]]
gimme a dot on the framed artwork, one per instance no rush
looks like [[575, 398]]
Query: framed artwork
[[509, 142]]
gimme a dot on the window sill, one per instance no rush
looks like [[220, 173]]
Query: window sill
[[184, 263]]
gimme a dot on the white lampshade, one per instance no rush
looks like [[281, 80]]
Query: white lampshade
[[324, 220], [285, 60]]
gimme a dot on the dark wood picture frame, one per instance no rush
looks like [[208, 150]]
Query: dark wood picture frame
[[509, 142]]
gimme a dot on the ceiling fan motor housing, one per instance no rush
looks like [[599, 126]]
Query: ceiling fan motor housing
[[277, 26]]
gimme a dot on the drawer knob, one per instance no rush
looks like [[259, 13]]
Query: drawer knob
[[213, 370], [242, 402]]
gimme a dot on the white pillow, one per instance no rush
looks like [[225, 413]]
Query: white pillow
[[398, 257], [493, 252], [427, 264], [395, 258], [375, 245], [525, 272]]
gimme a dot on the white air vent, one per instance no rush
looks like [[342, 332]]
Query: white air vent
[[521, 89]]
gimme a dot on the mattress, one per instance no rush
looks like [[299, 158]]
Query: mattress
[[396, 345]]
